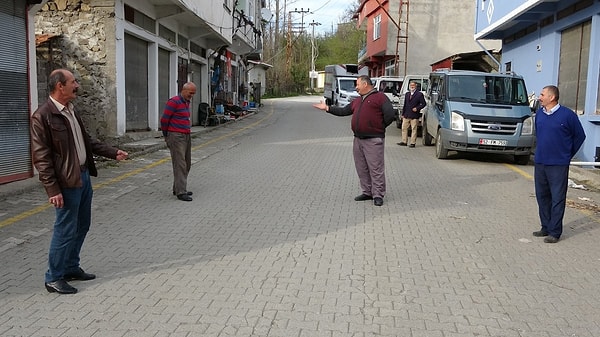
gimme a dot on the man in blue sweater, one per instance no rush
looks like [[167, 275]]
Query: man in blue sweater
[[559, 136]]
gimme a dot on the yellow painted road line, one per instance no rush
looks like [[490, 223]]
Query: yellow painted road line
[[519, 171], [590, 214], [112, 181]]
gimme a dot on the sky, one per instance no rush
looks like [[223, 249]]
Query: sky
[[325, 12]]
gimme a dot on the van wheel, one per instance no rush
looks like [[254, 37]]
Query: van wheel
[[399, 122], [522, 159], [427, 139], [440, 151]]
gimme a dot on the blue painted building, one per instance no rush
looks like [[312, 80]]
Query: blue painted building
[[551, 42]]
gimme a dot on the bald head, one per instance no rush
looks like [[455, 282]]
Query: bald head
[[188, 91]]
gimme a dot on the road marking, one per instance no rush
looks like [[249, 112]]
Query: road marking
[[519, 171], [98, 186], [590, 214]]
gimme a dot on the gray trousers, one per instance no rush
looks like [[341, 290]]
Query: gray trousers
[[369, 163], [180, 145]]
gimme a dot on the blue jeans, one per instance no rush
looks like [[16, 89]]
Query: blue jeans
[[70, 228]]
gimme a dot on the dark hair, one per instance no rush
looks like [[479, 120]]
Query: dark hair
[[56, 76], [365, 79], [553, 90]]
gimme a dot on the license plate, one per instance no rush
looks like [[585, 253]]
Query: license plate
[[495, 142]]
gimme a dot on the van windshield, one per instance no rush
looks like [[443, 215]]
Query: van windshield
[[487, 89], [348, 85], [390, 87]]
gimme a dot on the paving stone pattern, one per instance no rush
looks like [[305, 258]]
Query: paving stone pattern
[[273, 244]]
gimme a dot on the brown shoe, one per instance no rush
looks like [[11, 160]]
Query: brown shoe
[[540, 233], [550, 239]]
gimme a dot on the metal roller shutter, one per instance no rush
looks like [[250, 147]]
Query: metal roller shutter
[[136, 83], [15, 156], [164, 79]]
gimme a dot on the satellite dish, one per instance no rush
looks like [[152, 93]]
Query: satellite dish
[[266, 14]]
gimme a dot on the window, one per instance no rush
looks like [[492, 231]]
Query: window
[[182, 41], [488, 89], [390, 67], [139, 19], [166, 33], [377, 27]]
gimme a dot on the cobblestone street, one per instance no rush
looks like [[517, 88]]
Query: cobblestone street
[[273, 244]]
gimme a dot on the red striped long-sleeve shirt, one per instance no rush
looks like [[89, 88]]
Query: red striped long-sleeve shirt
[[176, 116]]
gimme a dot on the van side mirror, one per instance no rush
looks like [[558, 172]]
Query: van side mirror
[[535, 105], [434, 96]]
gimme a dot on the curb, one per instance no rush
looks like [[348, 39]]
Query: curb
[[27, 185]]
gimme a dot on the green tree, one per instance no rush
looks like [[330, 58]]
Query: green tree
[[289, 52]]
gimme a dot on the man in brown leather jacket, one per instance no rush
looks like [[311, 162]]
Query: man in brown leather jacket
[[62, 153]]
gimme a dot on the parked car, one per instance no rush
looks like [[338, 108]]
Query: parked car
[[471, 111]]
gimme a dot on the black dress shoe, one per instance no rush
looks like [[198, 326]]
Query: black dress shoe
[[411, 145], [363, 197], [540, 233], [188, 193], [401, 144], [184, 197], [378, 201], [60, 286], [79, 276], [550, 239]]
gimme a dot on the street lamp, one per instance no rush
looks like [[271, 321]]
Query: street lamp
[[313, 74]]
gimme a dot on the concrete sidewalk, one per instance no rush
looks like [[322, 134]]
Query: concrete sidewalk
[[135, 149]]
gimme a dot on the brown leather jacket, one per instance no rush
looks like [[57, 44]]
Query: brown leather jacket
[[53, 149]]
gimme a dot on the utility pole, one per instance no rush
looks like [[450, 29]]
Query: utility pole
[[313, 73], [301, 11], [288, 57]]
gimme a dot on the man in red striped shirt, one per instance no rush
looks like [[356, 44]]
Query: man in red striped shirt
[[175, 125]]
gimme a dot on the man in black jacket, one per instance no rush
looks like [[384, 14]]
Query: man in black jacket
[[371, 114], [414, 102]]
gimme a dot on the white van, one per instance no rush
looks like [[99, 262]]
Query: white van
[[396, 87], [340, 83], [391, 86]]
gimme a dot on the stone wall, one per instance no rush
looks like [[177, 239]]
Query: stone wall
[[87, 48]]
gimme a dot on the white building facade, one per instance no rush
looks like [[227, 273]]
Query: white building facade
[[132, 55]]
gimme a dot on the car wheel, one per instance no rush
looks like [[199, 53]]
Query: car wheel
[[398, 122], [427, 139], [441, 152]]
